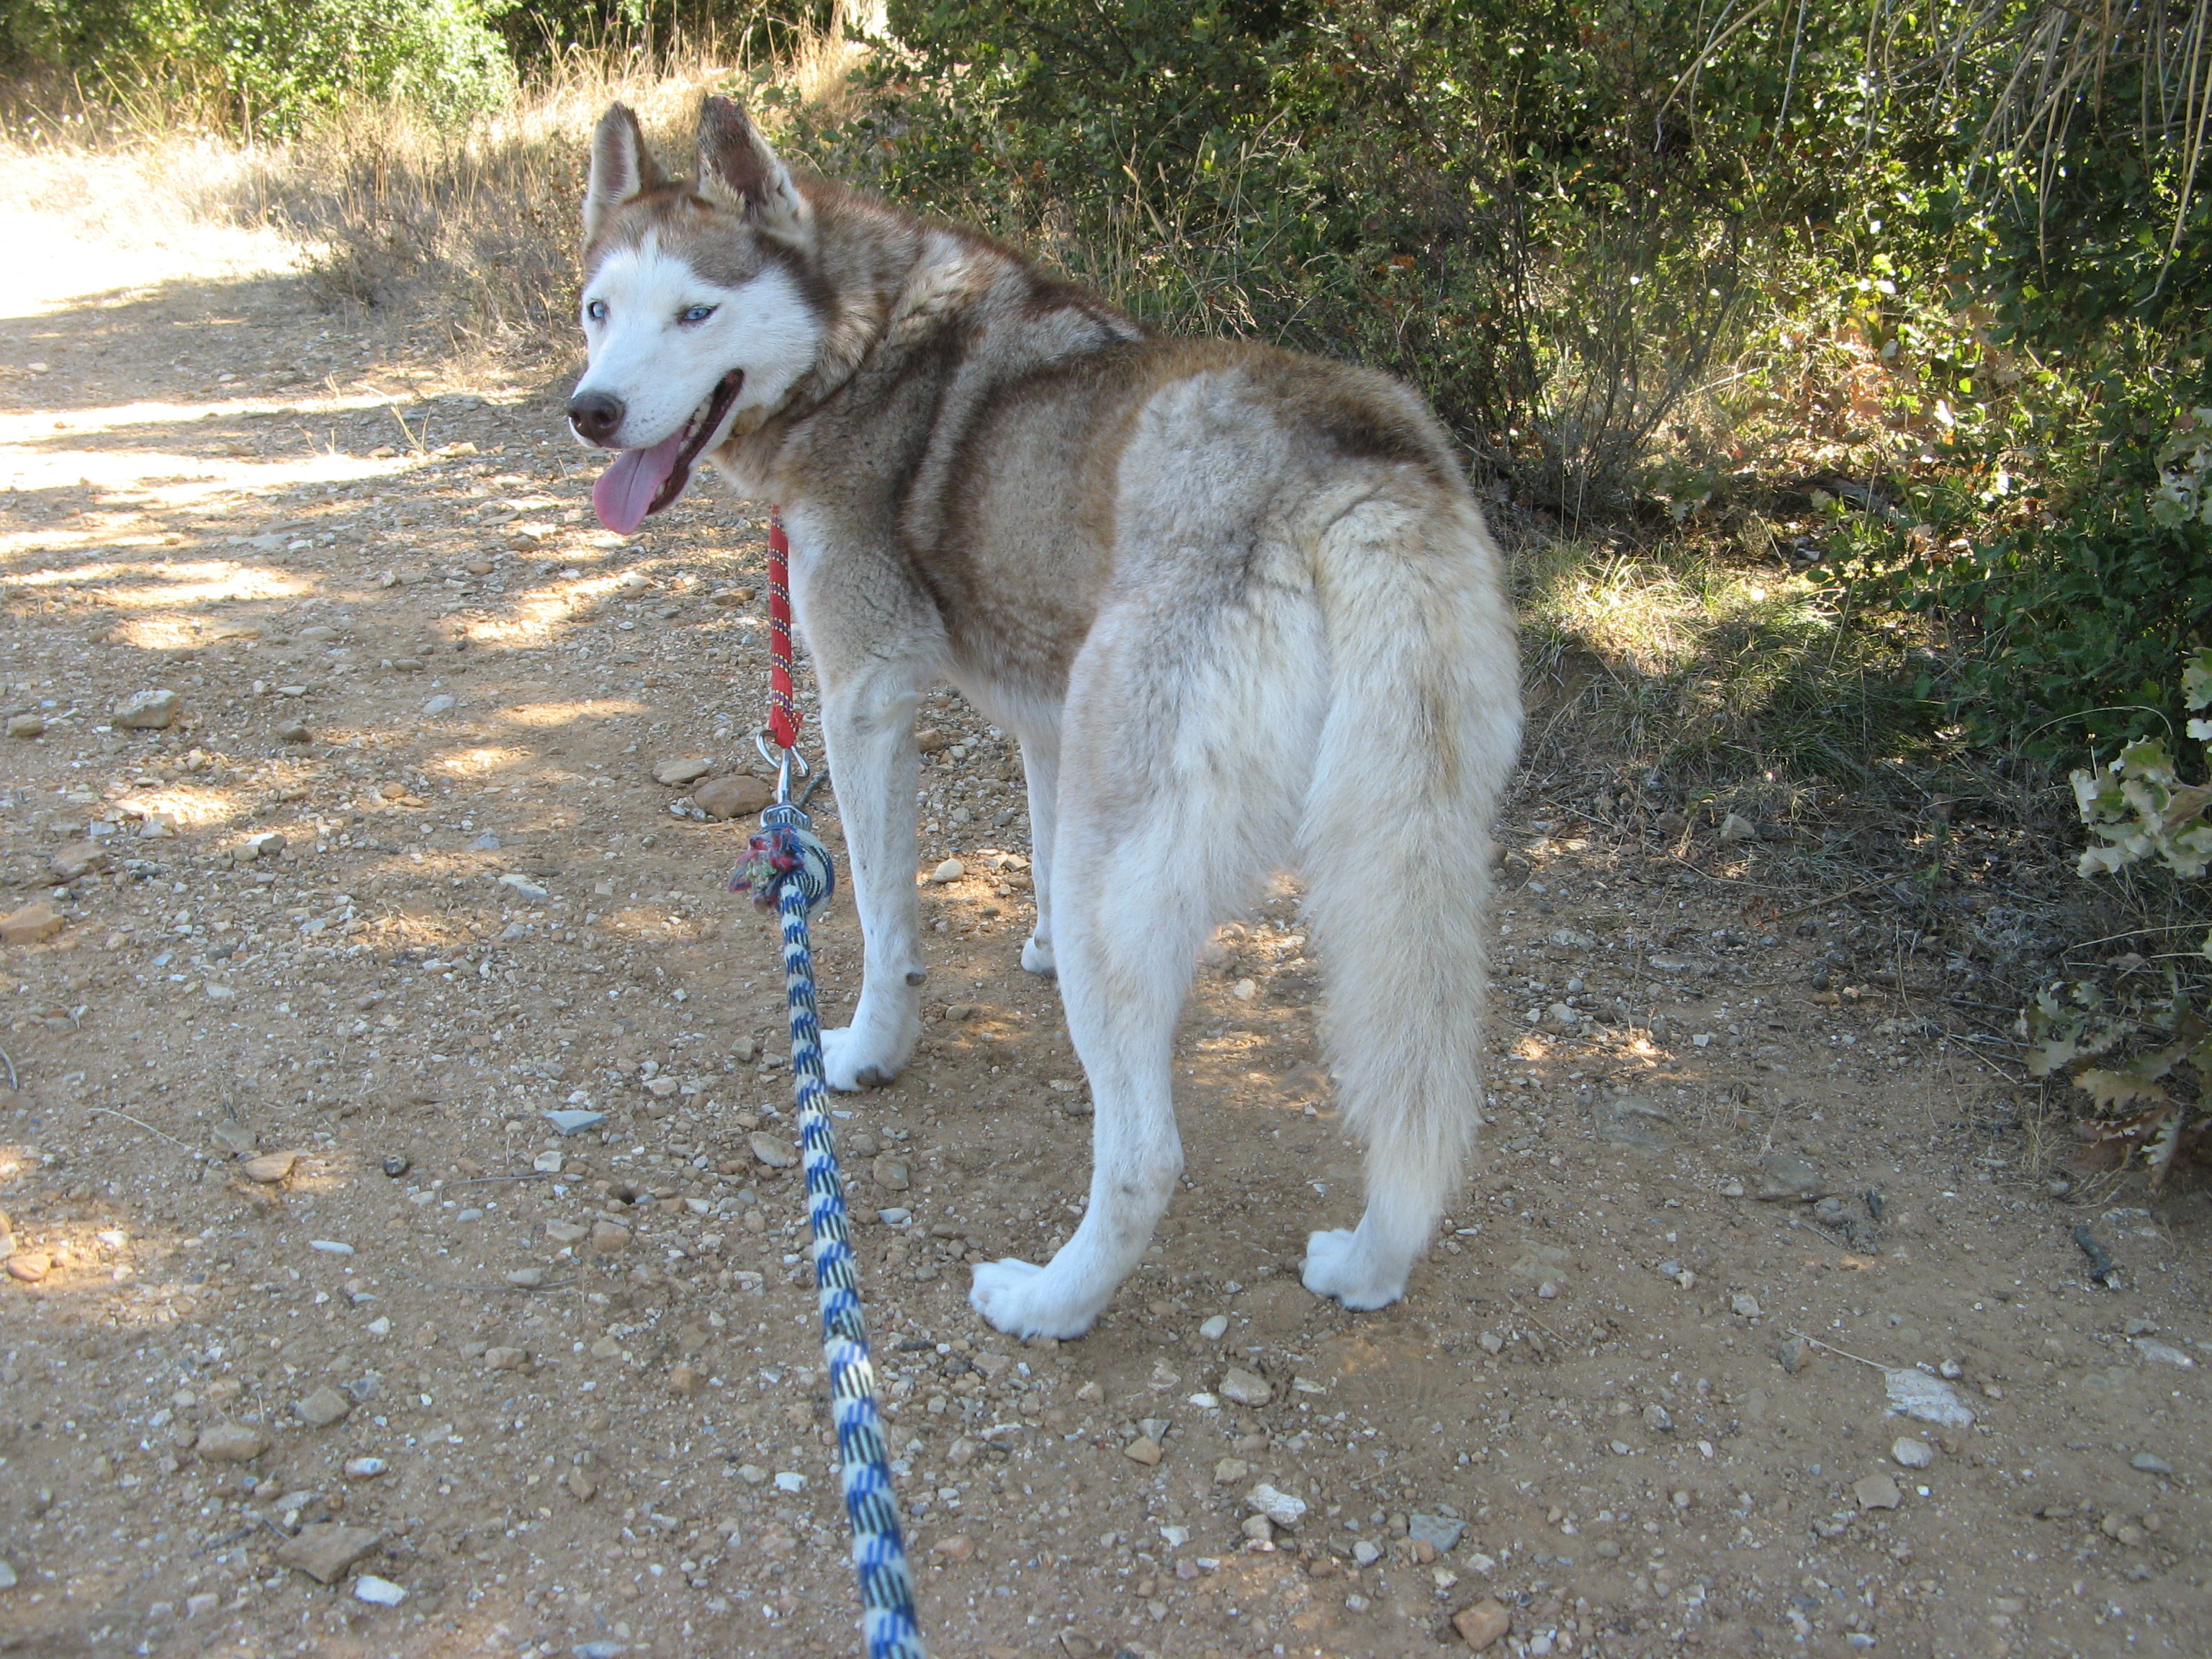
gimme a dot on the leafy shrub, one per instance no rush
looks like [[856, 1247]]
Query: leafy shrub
[[272, 65], [2152, 1099]]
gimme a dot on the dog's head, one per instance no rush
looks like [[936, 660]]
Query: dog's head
[[697, 309]]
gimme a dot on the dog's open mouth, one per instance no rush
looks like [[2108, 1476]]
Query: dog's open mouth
[[642, 482]]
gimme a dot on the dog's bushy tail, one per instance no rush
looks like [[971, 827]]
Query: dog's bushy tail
[[1417, 750]]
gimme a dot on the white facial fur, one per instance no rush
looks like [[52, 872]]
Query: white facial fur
[[663, 369]]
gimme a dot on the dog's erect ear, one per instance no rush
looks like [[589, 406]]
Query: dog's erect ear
[[738, 169], [622, 167]]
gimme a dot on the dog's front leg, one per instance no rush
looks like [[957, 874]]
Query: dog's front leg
[[867, 721]]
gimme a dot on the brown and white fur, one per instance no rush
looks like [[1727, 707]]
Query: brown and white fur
[[1238, 607]]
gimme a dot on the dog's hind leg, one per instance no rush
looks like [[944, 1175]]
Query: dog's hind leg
[[1131, 908], [1177, 792]]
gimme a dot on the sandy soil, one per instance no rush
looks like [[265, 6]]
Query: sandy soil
[[568, 1387]]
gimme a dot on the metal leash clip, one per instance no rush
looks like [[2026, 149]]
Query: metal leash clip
[[782, 760]]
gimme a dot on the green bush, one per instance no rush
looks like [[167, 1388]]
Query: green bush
[[272, 65]]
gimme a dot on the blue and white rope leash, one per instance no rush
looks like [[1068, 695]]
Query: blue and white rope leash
[[786, 867]]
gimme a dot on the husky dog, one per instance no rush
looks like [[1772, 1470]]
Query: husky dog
[[1238, 607]]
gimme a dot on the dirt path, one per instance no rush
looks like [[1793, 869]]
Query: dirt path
[[398, 879]]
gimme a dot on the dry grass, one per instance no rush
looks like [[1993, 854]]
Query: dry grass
[[475, 225], [1711, 668]]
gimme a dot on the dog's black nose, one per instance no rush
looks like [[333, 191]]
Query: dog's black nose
[[596, 414]]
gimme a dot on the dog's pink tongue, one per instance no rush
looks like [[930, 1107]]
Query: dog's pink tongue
[[626, 490]]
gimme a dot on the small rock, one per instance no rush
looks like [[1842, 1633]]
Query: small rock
[[200, 1604], [296, 732], [951, 870], [74, 862], [581, 1486], [610, 1237], [324, 1407], [1440, 1531], [506, 1359], [1913, 1454], [1913, 1393], [329, 1246], [26, 725], [566, 1232], [1630, 1120], [268, 845], [1245, 1387], [732, 796], [685, 1380], [570, 1122], [2163, 1353], [30, 1268], [443, 703], [326, 1550], [522, 886], [1230, 1470], [229, 1442], [751, 1473], [776, 1154], [1782, 1177], [1877, 1492], [1657, 1419], [677, 773], [232, 1137], [1481, 1626], [147, 711], [1366, 1553], [1259, 1529], [1215, 1328], [7, 1576], [378, 1592], [788, 1480], [2151, 1463], [1279, 1507], [270, 1167], [364, 1468], [929, 739], [30, 924], [1731, 1188], [1747, 1306], [957, 1547], [1143, 1450], [892, 1174], [527, 1278], [1793, 1353], [547, 1163], [746, 1050], [1736, 829]]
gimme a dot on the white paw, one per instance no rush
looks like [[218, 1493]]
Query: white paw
[[852, 1059], [1037, 957], [1338, 1266], [1015, 1298]]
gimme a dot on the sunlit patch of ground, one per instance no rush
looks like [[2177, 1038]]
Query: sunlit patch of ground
[[198, 581]]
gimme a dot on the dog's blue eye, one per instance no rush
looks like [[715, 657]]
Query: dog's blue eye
[[698, 313], [597, 310]]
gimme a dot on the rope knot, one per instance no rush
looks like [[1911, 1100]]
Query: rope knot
[[785, 851]]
